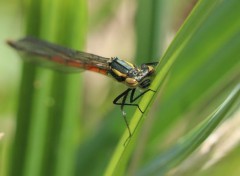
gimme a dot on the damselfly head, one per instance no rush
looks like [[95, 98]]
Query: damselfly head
[[144, 76]]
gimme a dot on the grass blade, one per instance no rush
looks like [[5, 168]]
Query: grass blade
[[45, 141], [162, 164]]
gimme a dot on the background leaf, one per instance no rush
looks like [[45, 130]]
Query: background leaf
[[175, 155], [197, 71], [44, 142]]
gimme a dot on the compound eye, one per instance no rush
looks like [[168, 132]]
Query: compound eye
[[131, 82]]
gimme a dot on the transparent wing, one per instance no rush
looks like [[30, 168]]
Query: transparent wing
[[60, 58]]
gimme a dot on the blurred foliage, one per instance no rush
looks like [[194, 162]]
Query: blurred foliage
[[102, 12], [48, 111], [196, 74]]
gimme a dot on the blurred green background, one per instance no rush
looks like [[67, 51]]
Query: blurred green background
[[57, 124]]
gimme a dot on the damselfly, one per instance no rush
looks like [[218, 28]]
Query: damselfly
[[61, 58]]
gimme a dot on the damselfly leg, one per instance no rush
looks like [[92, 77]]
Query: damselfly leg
[[122, 101]]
